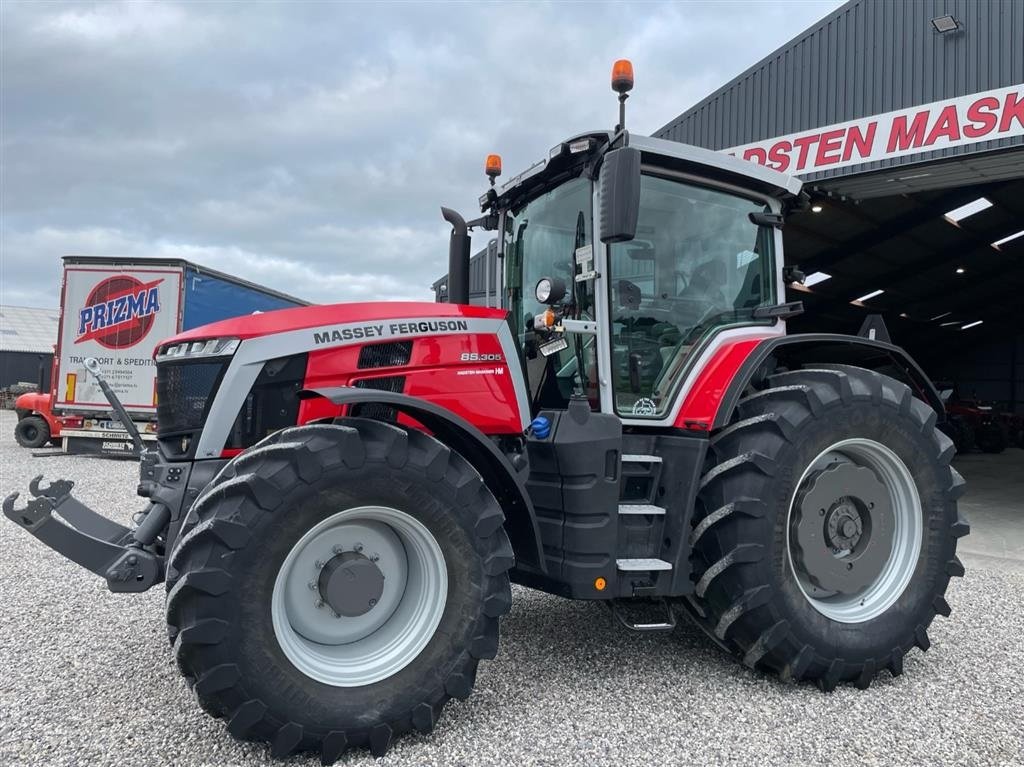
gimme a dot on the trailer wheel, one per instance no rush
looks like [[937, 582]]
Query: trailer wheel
[[827, 525], [32, 431], [336, 585]]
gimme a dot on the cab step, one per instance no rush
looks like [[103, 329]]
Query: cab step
[[642, 565], [641, 508], [636, 458], [626, 611]]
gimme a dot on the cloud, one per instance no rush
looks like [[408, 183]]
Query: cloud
[[118, 23], [353, 280], [310, 146]]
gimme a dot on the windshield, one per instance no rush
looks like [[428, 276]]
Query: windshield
[[697, 264], [541, 240]]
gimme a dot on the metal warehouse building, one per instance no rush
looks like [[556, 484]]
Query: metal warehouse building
[[905, 120], [27, 337]]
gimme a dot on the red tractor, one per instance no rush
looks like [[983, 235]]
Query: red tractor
[[342, 495]]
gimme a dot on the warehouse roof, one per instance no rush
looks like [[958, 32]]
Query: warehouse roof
[[26, 329]]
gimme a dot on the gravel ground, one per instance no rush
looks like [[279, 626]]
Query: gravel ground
[[86, 677]]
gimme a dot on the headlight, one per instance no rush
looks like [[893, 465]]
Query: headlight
[[543, 290], [549, 290], [214, 347]]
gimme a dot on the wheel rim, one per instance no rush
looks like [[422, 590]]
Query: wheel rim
[[854, 530], [358, 597]]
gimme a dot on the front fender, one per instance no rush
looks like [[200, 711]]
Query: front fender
[[460, 435]]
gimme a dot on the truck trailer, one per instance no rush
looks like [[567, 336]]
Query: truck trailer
[[116, 310]]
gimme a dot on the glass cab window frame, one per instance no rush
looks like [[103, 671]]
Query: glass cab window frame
[[540, 238], [688, 275]]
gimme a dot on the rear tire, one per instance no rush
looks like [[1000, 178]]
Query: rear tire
[[32, 431], [777, 583], [239, 624]]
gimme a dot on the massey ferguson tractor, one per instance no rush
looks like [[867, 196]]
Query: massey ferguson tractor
[[341, 495]]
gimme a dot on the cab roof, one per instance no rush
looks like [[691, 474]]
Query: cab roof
[[715, 166]]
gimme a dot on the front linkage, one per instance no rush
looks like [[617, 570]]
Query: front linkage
[[127, 559], [130, 560]]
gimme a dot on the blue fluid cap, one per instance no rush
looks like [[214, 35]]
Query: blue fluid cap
[[541, 427]]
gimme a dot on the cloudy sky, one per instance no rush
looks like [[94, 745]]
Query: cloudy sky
[[309, 145]]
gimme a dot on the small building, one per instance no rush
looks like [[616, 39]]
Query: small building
[[27, 338]]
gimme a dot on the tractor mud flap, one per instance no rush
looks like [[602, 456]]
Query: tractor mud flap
[[98, 544]]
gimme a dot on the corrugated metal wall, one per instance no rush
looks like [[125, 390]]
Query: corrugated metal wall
[[25, 367], [866, 58]]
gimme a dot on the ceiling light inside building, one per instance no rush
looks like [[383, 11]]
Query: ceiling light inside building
[[947, 324], [957, 215], [815, 277], [945, 24], [868, 296], [972, 324], [816, 208], [959, 270], [940, 316], [1007, 239]]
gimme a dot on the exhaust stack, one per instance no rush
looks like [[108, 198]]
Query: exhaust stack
[[458, 258]]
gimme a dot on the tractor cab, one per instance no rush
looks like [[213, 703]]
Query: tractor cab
[[621, 257]]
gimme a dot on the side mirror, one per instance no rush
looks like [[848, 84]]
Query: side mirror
[[620, 195]]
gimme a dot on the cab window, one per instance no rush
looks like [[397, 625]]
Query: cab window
[[697, 264]]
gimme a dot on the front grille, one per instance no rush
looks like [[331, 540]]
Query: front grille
[[372, 410], [387, 355], [184, 391]]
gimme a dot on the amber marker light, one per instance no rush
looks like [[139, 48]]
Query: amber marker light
[[600, 584], [622, 76], [493, 165]]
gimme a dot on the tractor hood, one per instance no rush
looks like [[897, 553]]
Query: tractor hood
[[382, 319]]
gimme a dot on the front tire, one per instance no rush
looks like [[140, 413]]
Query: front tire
[[826, 528], [350, 501], [32, 431]]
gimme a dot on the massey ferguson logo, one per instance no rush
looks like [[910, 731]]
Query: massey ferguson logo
[[119, 312]]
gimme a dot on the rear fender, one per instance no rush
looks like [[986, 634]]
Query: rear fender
[[796, 351], [473, 445]]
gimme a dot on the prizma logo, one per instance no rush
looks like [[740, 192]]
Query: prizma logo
[[119, 312]]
